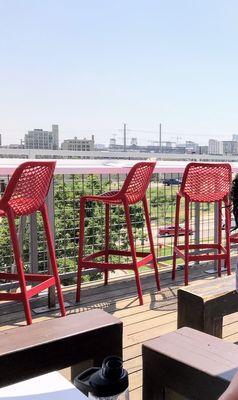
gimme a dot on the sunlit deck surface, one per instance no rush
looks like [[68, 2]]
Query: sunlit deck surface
[[156, 317]]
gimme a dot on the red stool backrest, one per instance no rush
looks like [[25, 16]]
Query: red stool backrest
[[137, 181], [206, 182], [28, 187]]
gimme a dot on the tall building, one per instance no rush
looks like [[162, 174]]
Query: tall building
[[76, 144], [230, 147], [40, 139], [215, 147], [203, 149]]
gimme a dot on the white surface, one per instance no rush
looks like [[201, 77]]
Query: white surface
[[8, 165], [51, 386]]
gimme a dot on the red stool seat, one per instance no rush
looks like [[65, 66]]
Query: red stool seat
[[108, 197], [133, 191], [204, 183], [25, 194]]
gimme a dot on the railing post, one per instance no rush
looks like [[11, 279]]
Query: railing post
[[197, 226], [50, 206], [34, 266], [216, 222], [20, 233]]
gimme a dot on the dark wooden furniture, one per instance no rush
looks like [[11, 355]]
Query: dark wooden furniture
[[202, 306], [187, 364], [58, 343]]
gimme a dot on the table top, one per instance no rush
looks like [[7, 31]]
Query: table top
[[212, 288], [197, 350], [52, 386]]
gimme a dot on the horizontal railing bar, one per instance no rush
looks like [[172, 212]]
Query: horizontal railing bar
[[176, 164]]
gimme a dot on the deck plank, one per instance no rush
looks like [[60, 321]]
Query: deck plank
[[157, 316]]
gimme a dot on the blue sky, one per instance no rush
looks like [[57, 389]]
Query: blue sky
[[92, 65]]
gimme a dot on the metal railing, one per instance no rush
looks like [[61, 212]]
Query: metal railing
[[63, 203]]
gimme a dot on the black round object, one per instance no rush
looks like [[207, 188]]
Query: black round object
[[110, 380]]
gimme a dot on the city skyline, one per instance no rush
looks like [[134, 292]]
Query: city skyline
[[90, 66], [153, 136], [39, 138]]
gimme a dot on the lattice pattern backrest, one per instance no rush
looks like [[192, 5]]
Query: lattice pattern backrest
[[206, 182], [137, 181], [28, 187]]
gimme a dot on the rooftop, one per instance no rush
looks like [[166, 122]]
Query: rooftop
[[156, 317]]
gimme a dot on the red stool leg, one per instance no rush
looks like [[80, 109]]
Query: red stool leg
[[219, 236], [152, 248], [133, 251], [52, 256], [107, 238], [186, 250], [81, 244], [228, 227], [19, 266], [178, 198]]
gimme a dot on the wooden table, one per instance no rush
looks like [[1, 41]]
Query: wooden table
[[52, 386], [59, 343], [187, 364], [203, 305]]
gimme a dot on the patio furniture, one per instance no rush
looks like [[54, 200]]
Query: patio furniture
[[132, 191], [52, 386], [59, 343], [187, 364], [25, 194], [203, 306], [204, 183]]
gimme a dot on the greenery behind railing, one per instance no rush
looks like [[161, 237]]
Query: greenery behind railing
[[68, 190]]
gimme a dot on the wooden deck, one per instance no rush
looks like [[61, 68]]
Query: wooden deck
[[156, 317]]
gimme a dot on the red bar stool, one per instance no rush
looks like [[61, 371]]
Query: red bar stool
[[132, 191], [25, 194], [209, 183]]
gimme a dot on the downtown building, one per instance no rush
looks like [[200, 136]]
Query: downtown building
[[42, 140], [76, 144], [215, 147]]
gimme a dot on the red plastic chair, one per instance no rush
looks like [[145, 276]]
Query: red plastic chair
[[133, 191], [209, 183], [24, 195]]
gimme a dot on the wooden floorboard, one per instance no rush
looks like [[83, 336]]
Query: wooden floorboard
[[156, 317]]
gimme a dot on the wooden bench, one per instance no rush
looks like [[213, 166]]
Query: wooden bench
[[187, 364], [202, 306], [58, 343]]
